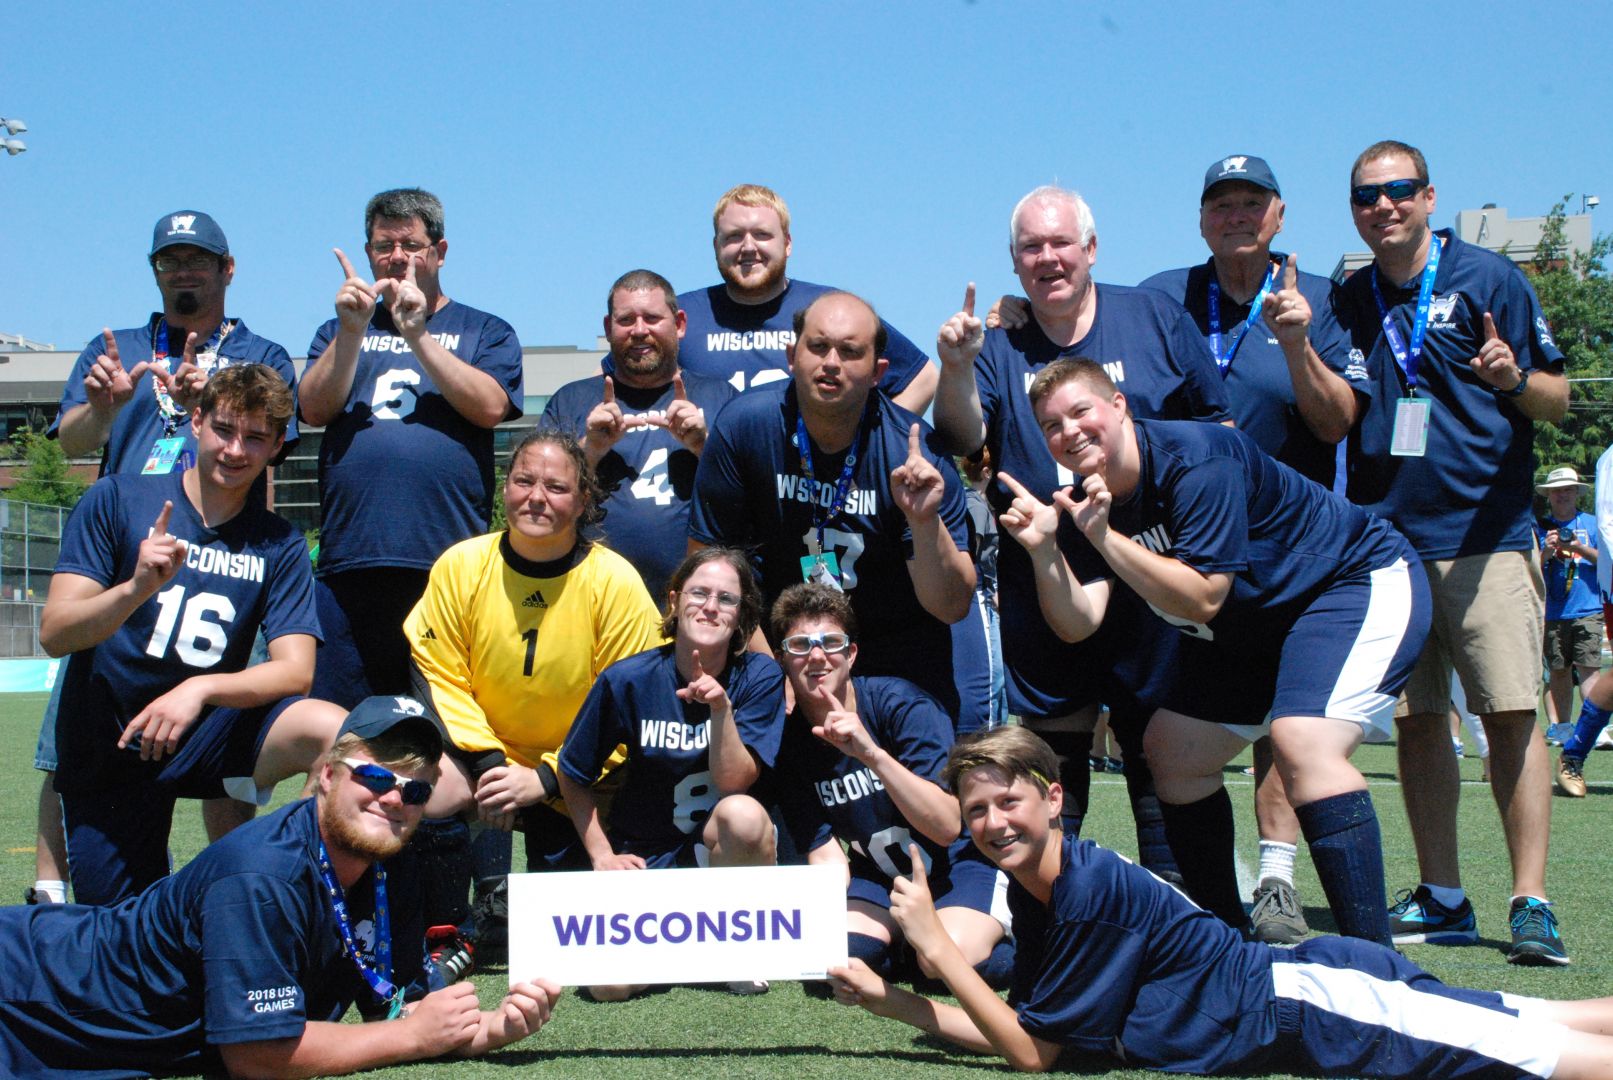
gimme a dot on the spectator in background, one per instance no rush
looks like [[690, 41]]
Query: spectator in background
[[1574, 627], [1598, 696]]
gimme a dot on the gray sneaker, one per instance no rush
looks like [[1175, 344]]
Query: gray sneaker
[[1276, 918]]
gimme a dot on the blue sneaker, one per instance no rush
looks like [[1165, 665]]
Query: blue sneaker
[[1416, 918], [1535, 939]]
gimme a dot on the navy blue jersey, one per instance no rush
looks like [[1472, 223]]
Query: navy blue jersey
[[252, 571], [745, 343], [402, 475], [140, 423], [648, 476], [1259, 386], [1119, 960], [1156, 356], [1208, 496], [827, 795], [239, 946], [749, 494], [1470, 493], [668, 792]]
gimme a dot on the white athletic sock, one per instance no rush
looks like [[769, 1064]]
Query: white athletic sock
[[1277, 860], [1451, 898], [55, 890]]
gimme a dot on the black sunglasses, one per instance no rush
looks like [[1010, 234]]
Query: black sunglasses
[[380, 781], [1367, 194]]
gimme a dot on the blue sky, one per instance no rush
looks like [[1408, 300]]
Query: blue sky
[[572, 143]]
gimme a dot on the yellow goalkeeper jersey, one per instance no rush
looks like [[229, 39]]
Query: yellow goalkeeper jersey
[[510, 656]]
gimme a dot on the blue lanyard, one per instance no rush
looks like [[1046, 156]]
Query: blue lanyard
[[379, 977], [803, 446], [1224, 360], [1408, 358], [172, 415]]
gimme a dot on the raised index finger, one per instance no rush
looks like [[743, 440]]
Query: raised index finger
[[678, 393], [347, 267], [189, 354], [161, 526], [969, 299], [1489, 328], [699, 671], [917, 857], [111, 344], [1291, 272], [913, 441], [610, 391]]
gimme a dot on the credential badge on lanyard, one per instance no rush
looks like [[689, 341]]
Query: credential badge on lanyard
[[1410, 438], [822, 567]]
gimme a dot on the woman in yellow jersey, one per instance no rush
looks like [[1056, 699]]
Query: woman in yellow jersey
[[511, 633]]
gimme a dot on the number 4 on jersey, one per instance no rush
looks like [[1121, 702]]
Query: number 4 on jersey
[[651, 484]]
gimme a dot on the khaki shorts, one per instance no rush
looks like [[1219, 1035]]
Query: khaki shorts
[[1574, 642], [1488, 617]]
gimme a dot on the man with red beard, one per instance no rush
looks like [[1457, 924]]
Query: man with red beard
[[740, 329], [246, 959]]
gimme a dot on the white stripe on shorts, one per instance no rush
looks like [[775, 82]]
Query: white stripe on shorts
[[1356, 696], [1531, 1045]]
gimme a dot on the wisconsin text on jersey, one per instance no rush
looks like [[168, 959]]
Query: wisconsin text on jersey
[[221, 561], [848, 788], [674, 734], [394, 343], [1115, 369], [858, 500], [746, 340]]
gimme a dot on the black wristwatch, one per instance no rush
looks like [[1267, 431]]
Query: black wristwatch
[[1517, 391]]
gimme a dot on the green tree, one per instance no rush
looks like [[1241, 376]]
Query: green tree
[[1577, 296], [45, 477]]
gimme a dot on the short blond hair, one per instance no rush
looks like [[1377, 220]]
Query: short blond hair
[[752, 195]]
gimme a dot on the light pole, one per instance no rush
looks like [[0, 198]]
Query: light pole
[[1588, 202], [12, 146]]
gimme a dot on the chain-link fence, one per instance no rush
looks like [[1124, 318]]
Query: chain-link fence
[[30, 540]]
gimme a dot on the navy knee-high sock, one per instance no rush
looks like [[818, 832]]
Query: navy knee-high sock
[[1201, 838], [1153, 851], [1347, 851], [1075, 774]]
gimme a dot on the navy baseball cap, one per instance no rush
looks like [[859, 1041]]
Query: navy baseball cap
[[189, 227], [377, 716], [1251, 170]]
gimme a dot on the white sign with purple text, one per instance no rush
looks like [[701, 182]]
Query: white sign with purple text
[[717, 924]]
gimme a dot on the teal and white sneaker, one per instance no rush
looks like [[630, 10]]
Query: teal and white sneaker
[[1416, 918], [1535, 938]]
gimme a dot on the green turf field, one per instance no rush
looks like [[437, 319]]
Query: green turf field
[[787, 1035]]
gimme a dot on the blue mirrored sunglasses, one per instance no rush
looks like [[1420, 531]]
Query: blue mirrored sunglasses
[[380, 781], [1367, 194]]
